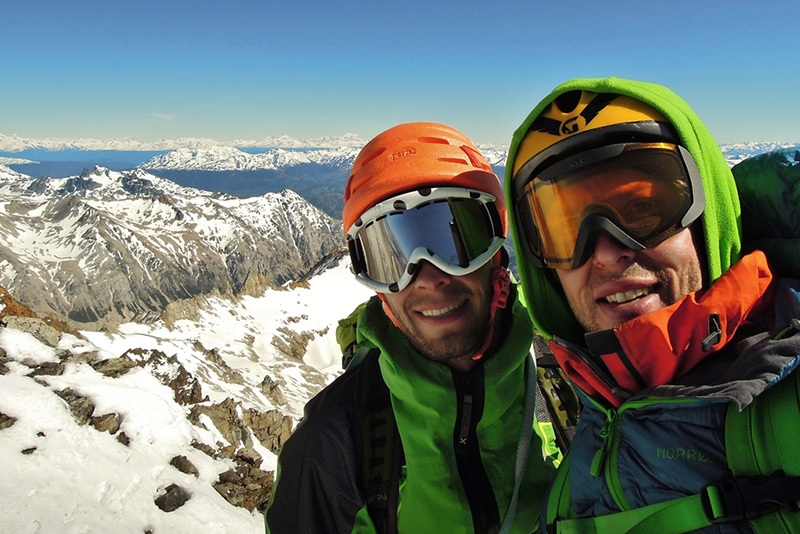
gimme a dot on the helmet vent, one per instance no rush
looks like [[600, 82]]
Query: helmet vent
[[568, 101], [373, 155], [434, 140], [453, 160]]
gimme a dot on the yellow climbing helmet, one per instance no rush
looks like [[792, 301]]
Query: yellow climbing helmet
[[600, 162]]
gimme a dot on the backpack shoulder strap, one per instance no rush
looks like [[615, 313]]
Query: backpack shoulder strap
[[761, 443], [378, 443], [559, 404]]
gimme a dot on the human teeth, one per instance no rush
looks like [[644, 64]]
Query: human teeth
[[626, 296], [436, 313]]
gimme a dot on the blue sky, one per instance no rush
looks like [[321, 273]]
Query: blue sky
[[246, 70]]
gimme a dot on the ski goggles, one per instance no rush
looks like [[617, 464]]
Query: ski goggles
[[457, 230], [638, 193]]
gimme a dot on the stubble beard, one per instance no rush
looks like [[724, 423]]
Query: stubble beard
[[464, 343], [668, 291]]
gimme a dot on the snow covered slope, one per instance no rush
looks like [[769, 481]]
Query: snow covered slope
[[252, 363]]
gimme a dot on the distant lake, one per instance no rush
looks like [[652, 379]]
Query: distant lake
[[63, 163]]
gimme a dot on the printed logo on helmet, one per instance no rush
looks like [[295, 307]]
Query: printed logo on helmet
[[402, 153], [551, 121]]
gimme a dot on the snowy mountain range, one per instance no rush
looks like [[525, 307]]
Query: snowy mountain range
[[226, 158], [316, 169], [184, 147], [15, 143], [107, 247]]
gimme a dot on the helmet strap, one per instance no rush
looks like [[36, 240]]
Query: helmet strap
[[388, 311], [501, 288]]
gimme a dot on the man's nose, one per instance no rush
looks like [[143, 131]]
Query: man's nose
[[608, 252], [430, 277]]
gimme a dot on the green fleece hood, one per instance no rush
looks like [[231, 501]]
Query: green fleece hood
[[721, 219]]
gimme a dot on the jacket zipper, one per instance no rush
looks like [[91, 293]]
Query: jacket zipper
[[474, 479], [466, 421], [606, 460]]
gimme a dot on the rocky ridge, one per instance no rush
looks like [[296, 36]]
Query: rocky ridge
[[244, 484]]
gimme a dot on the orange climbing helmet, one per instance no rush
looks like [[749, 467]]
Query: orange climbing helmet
[[417, 155], [421, 191]]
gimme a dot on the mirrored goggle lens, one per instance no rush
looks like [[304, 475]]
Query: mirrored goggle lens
[[644, 190], [452, 231]]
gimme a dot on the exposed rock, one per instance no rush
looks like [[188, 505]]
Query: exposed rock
[[166, 368], [29, 450], [6, 421], [173, 374], [272, 391], [293, 344], [185, 309], [9, 306], [182, 464], [186, 387], [36, 327], [203, 447], [107, 423], [47, 369], [222, 369], [123, 438], [81, 407], [14, 313], [173, 498], [115, 367], [225, 419], [246, 485], [271, 428]]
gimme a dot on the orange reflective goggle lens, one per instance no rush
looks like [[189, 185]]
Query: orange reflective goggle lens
[[639, 193]]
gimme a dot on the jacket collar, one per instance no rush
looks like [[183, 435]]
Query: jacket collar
[[657, 348]]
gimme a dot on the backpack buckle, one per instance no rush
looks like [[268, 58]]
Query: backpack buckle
[[746, 498]]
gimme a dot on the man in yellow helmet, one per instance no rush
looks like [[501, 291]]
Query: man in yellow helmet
[[626, 227], [434, 430]]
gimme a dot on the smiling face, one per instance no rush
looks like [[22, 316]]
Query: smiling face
[[445, 317], [618, 284]]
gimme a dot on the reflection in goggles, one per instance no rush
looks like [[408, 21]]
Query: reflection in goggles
[[458, 235], [641, 196]]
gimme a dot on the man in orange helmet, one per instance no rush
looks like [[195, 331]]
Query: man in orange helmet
[[434, 429]]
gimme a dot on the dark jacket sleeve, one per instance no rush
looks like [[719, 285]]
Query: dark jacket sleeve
[[316, 489]]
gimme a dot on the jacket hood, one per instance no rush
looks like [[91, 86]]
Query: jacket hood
[[720, 220]]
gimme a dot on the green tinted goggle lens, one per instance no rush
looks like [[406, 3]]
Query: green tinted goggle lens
[[455, 234]]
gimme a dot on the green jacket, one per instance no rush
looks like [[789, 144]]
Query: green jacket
[[460, 433]]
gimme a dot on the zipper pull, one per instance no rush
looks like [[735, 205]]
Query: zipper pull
[[714, 333], [599, 460], [466, 416], [791, 329]]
